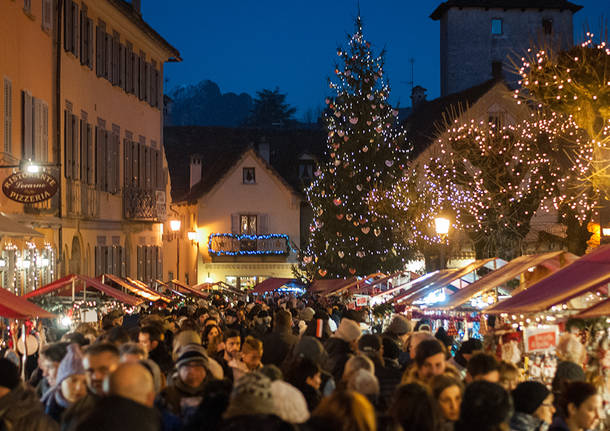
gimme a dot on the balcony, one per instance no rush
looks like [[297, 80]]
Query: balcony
[[143, 205], [229, 244]]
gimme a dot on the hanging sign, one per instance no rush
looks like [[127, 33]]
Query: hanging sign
[[29, 188], [541, 339]]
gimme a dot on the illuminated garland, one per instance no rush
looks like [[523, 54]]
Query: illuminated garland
[[365, 148], [240, 237]]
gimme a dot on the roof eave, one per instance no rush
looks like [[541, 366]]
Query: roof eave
[[438, 13]]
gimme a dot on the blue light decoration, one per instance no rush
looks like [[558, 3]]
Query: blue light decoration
[[238, 238]]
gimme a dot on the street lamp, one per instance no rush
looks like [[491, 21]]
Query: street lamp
[[442, 230], [174, 226]]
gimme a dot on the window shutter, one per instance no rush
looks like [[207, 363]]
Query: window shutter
[[126, 163], [8, 115], [68, 29], [98, 261], [263, 224], [75, 29], [148, 171], [83, 150], [160, 87], [36, 130], [235, 223], [152, 183], [159, 263], [27, 125], [136, 75], [84, 36], [45, 132], [116, 58], [116, 181], [75, 147], [135, 163], [68, 144], [90, 156], [98, 50], [142, 163], [98, 157], [122, 64], [108, 56], [90, 43], [47, 15], [142, 78], [115, 260], [128, 68], [160, 171], [106, 159]]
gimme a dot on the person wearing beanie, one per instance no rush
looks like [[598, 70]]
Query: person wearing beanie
[[278, 343], [251, 395], [341, 346], [289, 402], [365, 383], [70, 384], [20, 409], [307, 314], [486, 406], [464, 353], [533, 405], [311, 348], [184, 390]]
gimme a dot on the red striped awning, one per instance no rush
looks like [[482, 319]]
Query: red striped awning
[[17, 307]]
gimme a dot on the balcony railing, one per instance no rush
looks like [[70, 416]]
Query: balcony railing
[[229, 244], [145, 205]]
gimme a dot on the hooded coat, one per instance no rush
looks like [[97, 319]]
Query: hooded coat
[[20, 410]]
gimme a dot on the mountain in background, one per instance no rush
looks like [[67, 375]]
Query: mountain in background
[[204, 105]]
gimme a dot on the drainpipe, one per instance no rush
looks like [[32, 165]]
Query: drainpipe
[[58, 116]]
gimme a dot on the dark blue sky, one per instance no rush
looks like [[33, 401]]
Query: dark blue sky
[[247, 45]]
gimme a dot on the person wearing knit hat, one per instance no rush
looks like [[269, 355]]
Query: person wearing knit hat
[[307, 314], [70, 386], [567, 371], [289, 402], [341, 345], [20, 408], [533, 405], [184, 391], [251, 396]]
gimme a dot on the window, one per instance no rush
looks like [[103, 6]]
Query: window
[[27, 6], [8, 115], [35, 128], [150, 267], [249, 176], [306, 169], [496, 26], [496, 69], [247, 224], [547, 26]]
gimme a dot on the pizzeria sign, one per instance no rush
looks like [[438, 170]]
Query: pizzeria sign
[[29, 188]]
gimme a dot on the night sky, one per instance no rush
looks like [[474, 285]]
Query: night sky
[[247, 45]]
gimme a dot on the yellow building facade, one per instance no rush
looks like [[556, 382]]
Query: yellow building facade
[[83, 99]]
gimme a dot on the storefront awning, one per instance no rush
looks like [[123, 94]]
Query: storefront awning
[[271, 284], [584, 275], [327, 286], [10, 227], [62, 287], [500, 276], [132, 287], [17, 307]]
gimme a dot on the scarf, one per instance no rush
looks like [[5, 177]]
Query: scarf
[[524, 422]]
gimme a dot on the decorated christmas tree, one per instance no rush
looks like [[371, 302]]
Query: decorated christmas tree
[[365, 154]]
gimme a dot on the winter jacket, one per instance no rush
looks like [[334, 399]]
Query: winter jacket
[[20, 410], [162, 358], [558, 424], [339, 351], [78, 411], [114, 413], [256, 423], [179, 399], [389, 377], [277, 345], [524, 422]]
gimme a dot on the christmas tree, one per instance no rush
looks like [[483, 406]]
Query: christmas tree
[[365, 155]]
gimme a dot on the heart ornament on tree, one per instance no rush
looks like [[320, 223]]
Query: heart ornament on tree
[[360, 254], [337, 201], [352, 271], [365, 149], [318, 173], [349, 217], [340, 132], [353, 120], [339, 216], [307, 260], [389, 163], [377, 231], [340, 254], [365, 230], [359, 187], [322, 272]]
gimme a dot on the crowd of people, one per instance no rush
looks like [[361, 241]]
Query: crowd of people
[[282, 363]]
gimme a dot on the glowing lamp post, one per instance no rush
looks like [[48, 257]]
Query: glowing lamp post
[[174, 226], [441, 225]]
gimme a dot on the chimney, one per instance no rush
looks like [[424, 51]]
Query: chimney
[[195, 171], [418, 95], [263, 149], [137, 6]]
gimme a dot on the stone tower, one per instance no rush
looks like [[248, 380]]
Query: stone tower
[[480, 37]]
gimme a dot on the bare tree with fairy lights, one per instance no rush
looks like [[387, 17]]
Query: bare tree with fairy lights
[[365, 154]]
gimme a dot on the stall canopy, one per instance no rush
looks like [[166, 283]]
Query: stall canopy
[[10, 227], [601, 309], [588, 273], [147, 288], [361, 285], [63, 287], [327, 286], [444, 281], [271, 284], [139, 290], [500, 276], [16, 307], [189, 289]]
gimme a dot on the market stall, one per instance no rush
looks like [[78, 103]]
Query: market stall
[[188, 289], [585, 275], [271, 285], [17, 307], [513, 269]]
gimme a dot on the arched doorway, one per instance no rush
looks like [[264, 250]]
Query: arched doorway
[[75, 257]]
